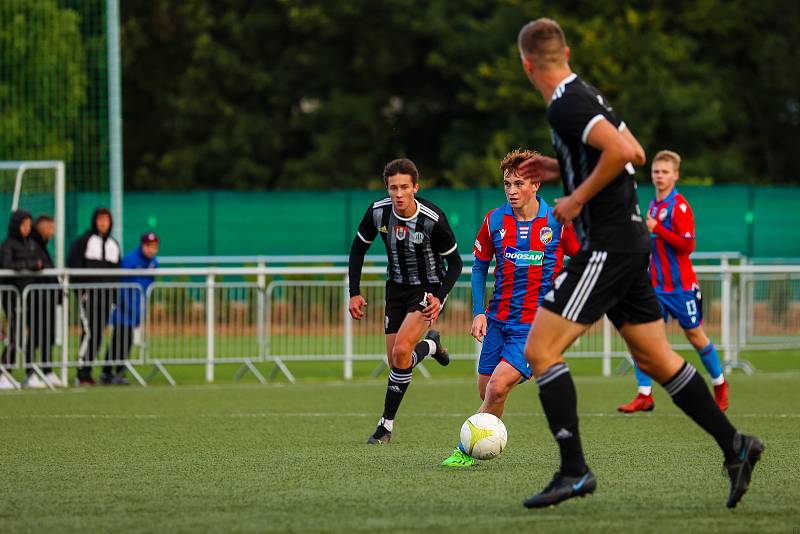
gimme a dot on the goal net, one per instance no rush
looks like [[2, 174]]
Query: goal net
[[36, 187]]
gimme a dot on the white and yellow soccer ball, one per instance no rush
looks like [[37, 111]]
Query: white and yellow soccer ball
[[483, 436]]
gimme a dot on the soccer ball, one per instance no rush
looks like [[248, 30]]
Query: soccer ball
[[483, 436]]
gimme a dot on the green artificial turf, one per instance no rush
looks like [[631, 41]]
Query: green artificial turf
[[251, 458]]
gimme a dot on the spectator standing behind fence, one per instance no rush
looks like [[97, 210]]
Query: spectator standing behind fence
[[128, 313], [17, 252], [40, 319], [95, 249]]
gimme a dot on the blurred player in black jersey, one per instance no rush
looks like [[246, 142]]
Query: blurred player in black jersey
[[418, 242], [595, 157]]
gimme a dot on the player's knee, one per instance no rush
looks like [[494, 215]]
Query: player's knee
[[497, 391], [532, 352], [401, 353], [697, 338]]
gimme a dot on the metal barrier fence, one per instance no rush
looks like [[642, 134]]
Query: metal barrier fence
[[280, 315]]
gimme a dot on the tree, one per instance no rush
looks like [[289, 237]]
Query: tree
[[311, 94], [40, 47]]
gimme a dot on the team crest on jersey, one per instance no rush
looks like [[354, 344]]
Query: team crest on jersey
[[417, 237], [546, 235], [400, 232], [523, 257], [662, 214]]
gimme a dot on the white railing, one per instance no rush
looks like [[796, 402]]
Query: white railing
[[263, 260], [279, 315]]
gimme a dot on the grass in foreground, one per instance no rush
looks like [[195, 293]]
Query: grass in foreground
[[249, 458]]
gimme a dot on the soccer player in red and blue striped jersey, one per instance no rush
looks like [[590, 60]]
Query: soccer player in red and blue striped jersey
[[528, 245], [671, 224]]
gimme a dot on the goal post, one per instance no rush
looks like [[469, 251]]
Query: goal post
[[57, 190]]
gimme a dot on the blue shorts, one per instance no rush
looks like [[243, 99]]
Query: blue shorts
[[504, 342], [685, 306]]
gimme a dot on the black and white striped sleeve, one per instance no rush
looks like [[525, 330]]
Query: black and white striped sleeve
[[367, 231], [365, 235], [443, 240]]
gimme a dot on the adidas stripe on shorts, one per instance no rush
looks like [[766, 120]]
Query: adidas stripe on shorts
[[597, 282]]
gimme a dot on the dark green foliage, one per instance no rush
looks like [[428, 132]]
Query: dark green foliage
[[263, 95]]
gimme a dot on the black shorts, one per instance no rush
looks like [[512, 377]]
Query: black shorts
[[595, 282], [401, 300]]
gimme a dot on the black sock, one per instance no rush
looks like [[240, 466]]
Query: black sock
[[690, 393], [399, 379], [422, 349], [560, 404]]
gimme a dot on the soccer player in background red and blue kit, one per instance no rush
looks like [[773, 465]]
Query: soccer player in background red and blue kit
[[528, 245], [671, 225]]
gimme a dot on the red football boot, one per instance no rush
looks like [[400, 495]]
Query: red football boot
[[721, 395], [642, 403]]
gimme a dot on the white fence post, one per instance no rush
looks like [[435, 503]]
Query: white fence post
[[65, 329], [348, 333], [606, 346], [210, 328], [260, 313], [726, 311]]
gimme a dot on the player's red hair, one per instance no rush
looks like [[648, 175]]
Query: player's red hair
[[514, 159]]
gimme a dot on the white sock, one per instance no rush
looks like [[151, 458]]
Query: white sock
[[718, 381], [388, 424], [645, 390], [432, 346]]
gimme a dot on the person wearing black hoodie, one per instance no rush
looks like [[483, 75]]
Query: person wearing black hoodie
[[95, 249], [40, 319], [17, 252]]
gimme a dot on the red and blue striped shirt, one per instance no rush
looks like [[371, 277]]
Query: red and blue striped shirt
[[672, 240], [528, 256]]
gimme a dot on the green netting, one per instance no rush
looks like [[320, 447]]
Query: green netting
[[53, 92]]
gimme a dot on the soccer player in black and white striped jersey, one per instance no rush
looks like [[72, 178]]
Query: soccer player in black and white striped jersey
[[596, 153], [419, 242]]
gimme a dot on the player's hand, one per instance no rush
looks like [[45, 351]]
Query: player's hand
[[432, 310], [542, 168], [567, 208], [356, 307], [479, 327], [650, 222]]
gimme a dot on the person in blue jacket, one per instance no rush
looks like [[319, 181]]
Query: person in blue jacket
[[130, 308]]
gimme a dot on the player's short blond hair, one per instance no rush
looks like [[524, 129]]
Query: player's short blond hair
[[543, 42], [514, 159], [669, 155]]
